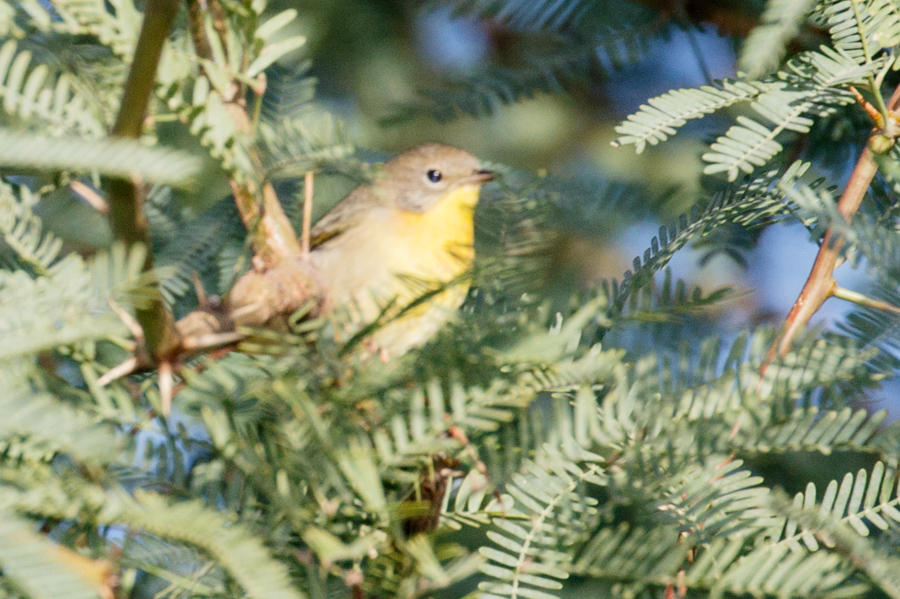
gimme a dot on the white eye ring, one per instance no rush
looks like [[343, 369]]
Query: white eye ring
[[434, 175]]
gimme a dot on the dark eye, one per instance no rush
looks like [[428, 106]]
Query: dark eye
[[434, 175]]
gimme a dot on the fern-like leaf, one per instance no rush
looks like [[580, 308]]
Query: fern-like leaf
[[69, 304], [42, 568], [36, 94], [765, 46], [755, 202], [814, 85], [22, 230], [243, 556], [860, 30], [661, 116], [110, 156], [526, 560]]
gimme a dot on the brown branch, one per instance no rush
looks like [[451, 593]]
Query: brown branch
[[126, 213], [274, 238], [820, 284], [281, 282], [219, 19], [198, 31], [725, 17]]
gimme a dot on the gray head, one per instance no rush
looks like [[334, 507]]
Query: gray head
[[419, 178]]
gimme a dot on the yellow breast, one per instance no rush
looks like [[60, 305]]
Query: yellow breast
[[437, 243], [394, 257]]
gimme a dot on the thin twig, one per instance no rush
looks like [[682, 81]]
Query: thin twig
[[219, 19], [198, 31], [133, 326], [274, 239], [200, 290], [873, 86], [820, 285], [307, 214]]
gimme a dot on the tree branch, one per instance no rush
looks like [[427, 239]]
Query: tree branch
[[274, 238], [126, 213], [820, 285]]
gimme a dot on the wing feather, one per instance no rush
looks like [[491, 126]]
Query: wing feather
[[345, 215]]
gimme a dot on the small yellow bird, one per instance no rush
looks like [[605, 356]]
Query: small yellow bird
[[391, 241]]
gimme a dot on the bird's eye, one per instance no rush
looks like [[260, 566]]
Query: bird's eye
[[434, 175]]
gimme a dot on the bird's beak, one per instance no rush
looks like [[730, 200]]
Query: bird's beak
[[481, 177]]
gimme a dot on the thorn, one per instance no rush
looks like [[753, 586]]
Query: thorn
[[736, 428], [199, 290], [862, 300], [210, 340], [118, 371], [91, 197], [307, 214], [132, 324], [259, 86], [370, 346], [166, 384], [873, 112], [239, 314]]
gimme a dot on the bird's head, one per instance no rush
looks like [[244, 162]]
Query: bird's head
[[422, 177]]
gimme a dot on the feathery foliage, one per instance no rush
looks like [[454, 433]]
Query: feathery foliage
[[539, 446], [765, 46]]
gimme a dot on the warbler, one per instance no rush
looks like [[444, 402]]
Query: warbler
[[409, 232]]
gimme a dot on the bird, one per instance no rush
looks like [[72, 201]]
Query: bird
[[397, 249]]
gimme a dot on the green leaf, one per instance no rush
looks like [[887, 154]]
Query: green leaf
[[275, 24], [765, 46], [111, 156], [272, 53], [44, 569]]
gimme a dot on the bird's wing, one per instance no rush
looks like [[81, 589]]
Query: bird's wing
[[345, 214]]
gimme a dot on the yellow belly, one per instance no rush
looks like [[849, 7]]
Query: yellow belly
[[392, 259]]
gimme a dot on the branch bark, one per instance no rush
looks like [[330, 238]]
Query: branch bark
[[274, 238], [126, 212], [820, 284], [282, 280]]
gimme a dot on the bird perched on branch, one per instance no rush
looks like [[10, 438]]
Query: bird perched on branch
[[398, 248]]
